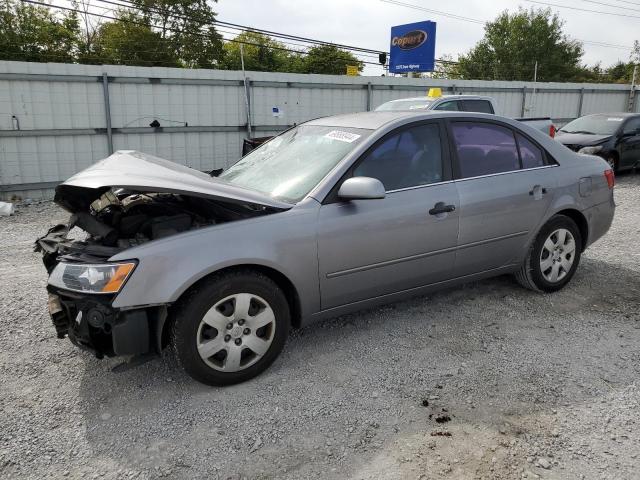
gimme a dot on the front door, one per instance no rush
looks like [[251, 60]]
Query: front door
[[369, 248], [505, 183], [630, 144]]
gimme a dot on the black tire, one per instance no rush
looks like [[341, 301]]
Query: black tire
[[192, 308], [612, 160], [531, 275]]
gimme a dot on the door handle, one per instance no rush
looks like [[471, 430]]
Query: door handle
[[440, 207], [537, 188]]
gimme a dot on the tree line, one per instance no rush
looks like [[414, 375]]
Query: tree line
[[182, 33], [167, 33]]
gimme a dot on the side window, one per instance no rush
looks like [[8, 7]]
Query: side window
[[451, 106], [530, 154], [632, 126], [484, 149], [407, 158], [482, 106]]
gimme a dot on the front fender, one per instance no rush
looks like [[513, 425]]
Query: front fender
[[284, 241]]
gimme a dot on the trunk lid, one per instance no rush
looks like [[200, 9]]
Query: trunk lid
[[142, 172]]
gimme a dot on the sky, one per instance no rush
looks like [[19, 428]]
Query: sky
[[367, 23]]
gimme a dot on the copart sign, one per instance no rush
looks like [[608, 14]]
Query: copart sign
[[413, 47]]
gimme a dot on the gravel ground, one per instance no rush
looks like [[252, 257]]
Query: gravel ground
[[483, 381]]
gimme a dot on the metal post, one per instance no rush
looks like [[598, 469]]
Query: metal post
[[454, 89], [369, 92], [247, 101], [580, 102], [523, 108], [532, 107], [632, 93], [107, 111]]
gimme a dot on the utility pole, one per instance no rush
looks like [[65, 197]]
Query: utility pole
[[247, 104], [533, 97], [632, 92]]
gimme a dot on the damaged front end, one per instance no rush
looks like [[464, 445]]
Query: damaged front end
[[124, 201]]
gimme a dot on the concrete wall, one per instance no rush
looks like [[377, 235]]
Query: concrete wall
[[54, 120]]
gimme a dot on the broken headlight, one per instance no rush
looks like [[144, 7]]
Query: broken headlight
[[88, 278]]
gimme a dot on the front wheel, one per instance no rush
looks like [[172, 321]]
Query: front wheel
[[554, 256], [231, 328]]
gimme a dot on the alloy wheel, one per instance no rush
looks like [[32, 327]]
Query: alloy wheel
[[557, 255]]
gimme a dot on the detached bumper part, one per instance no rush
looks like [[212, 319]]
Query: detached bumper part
[[93, 325]]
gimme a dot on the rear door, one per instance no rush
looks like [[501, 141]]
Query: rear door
[[505, 183], [369, 248], [630, 143]]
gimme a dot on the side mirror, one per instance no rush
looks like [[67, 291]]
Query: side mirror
[[361, 188]]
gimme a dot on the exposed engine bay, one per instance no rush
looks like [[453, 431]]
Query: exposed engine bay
[[120, 219]]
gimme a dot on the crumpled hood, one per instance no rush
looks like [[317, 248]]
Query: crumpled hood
[[581, 139], [142, 172]]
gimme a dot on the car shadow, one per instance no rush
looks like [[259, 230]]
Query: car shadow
[[506, 348]]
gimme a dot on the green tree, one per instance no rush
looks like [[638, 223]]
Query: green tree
[[445, 67], [329, 60], [35, 34], [513, 43], [188, 26], [129, 41], [261, 53]]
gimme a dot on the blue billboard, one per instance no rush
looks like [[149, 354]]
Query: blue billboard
[[413, 47]]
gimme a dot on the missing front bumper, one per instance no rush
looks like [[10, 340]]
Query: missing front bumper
[[92, 324]]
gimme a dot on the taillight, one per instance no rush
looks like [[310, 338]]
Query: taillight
[[611, 178], [552, 130]]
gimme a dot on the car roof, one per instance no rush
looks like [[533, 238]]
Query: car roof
[[368, 120], [441, 97], [375, 120], [608, 114]]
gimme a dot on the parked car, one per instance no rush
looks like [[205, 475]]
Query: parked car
[[612, 136], [334, 215], [461, 103]]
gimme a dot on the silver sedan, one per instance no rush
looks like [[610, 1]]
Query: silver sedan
[[331, 216]]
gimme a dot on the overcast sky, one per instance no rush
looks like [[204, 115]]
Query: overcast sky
[[366, 23]]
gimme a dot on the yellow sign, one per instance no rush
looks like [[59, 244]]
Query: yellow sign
[[352, 70], [434, 92]]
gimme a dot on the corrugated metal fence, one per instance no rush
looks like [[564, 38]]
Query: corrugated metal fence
[[56, 119]]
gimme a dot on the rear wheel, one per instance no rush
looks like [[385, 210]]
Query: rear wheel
[[231, 329], [554, 256]]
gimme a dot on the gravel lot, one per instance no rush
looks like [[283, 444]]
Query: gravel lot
[[533, 385]]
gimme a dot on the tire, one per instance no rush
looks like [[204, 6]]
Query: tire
[[543, 258], [213, 353], [613, 163]]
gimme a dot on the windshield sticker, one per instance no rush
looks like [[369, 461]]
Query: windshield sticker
[[614, 119], [342, 136]]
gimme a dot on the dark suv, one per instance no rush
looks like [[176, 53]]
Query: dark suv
[[612, 136]]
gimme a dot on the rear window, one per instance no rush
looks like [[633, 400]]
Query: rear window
[[451, 105], [531, 155], [481, 106], [484, 149]]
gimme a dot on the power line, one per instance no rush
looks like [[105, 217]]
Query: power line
[[627, 2], [583, 9], [130, 4], [34, 2], [436, 12], [622, 7], [483, 22]]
